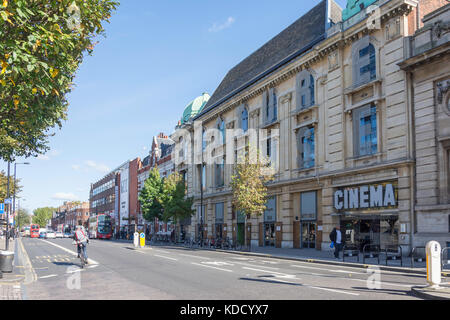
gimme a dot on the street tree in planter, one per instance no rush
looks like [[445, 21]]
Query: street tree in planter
[[249, 185], [42, 44]]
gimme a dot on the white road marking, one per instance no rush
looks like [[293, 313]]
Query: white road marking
[[333, 290], [206, 266], [158, 250], [252, 265], [74, 253], [284, 275], [190, 255], [166, 257], [49, 276], [325, 269]]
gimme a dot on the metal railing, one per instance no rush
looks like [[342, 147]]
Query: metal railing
[[350, 251], [390, 254], [372, 252], [414, 258]]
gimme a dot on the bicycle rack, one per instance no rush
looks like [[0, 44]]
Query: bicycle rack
[[394, 255], [350, 251], [413, 256], [447, 261], [372, 253]]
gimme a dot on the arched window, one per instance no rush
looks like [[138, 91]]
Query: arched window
[[305, 90], [244, 118], [364, 62]]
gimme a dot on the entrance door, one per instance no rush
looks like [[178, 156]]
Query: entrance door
[[309, 234], [269, 235], [219, 231], [241, 233], [370, 230]]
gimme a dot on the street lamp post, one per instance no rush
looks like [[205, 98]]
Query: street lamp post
[[7, 211], [14, 194]]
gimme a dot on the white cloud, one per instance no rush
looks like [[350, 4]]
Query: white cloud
[[64, 196], [219, 27], [97, 166], [76, 167]]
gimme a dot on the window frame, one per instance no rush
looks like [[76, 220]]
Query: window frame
[[300, 136], [305, 90], [368, 110]]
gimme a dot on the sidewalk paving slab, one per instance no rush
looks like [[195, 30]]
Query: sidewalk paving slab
[[429, 293], [11, 283]]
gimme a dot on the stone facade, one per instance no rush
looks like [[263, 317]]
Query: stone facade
[[348, 98], [427, 65]]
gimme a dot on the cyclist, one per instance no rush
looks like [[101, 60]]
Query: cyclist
[[81, 240]]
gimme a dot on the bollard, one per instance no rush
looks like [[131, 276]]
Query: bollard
[[136, 239], [433, 250], [142, 238]]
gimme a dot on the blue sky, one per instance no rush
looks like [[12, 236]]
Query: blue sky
[[157, 57]]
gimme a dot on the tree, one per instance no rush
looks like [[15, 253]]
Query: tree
[[176, 205], [42, 44], [151, 196], [42, 215], [248, 183], [23, 218], [4, 183]]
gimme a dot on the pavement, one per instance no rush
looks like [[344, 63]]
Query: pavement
[[11, 284]]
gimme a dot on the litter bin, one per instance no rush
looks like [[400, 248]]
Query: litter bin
[[6, 261]]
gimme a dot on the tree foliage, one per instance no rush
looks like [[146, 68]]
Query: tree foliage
[[23, 218], [248, 183], [165, 199], [4, 185], [42, 43], [151, 196], [176, 205], [42, 215]]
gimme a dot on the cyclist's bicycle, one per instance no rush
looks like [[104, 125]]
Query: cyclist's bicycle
[[82, 255]]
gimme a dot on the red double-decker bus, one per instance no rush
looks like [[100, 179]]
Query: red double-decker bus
[[34, 231], [100, 227]]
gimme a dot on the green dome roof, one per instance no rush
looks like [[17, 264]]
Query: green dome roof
[[195, 107]]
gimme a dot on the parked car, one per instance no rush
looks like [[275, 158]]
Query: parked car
[[67, 235], [50, 235], [59, 235], [42, 234]]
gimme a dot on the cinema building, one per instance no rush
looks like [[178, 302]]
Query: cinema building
[[331, 107]]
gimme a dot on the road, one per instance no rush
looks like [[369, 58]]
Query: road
[[117, 271]]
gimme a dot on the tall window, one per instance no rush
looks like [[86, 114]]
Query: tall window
[[275, 106], [448, 176], [306, 148], [365, 130], [220, 173], [221, 128], [244, 117], [305, 90], [364, 62], [267, 106], [204, 140]]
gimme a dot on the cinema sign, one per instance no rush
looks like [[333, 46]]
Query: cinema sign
[[373, 196]]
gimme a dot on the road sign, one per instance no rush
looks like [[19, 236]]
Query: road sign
[[2, 208], [8, 201], [142, 242]]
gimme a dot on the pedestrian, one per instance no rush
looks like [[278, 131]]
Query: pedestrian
[[336, 239]]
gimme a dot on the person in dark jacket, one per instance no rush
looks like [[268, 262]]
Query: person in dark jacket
[[336, 238]]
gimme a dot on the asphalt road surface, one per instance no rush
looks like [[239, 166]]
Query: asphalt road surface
[[117, 271]]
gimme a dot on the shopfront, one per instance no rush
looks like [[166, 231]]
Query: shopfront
[[240, 234], [308, 217], [270, 218], [218, 230], [368, 214]]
